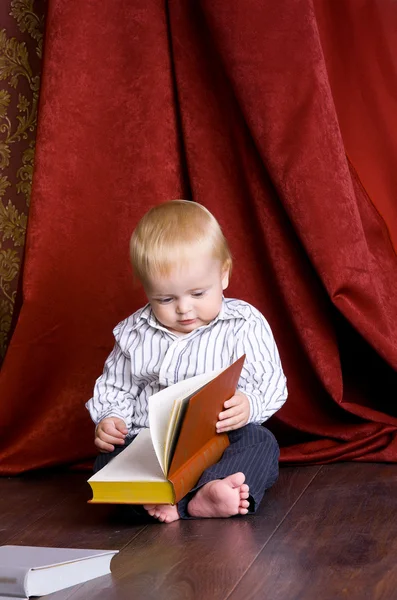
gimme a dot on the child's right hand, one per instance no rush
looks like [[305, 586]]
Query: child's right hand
[[110, 431]]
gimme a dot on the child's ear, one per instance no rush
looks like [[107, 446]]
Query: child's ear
[[225, 277]]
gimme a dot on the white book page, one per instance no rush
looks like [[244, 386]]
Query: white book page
[[47, 581], [162, 407], [138, 462]]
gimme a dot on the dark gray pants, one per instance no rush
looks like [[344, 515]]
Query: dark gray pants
[[253, 450]]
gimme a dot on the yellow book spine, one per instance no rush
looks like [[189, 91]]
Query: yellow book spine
[[132, 492]]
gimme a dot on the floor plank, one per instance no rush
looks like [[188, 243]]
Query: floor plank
[[25, 499], [196, 559], [72, 522], [338, 541]]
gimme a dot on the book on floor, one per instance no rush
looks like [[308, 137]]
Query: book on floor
[[36, 571], [164, 462]]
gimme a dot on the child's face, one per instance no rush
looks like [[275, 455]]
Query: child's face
[[190, 296]]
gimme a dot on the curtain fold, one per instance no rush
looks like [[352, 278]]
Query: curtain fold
[[233, 105]]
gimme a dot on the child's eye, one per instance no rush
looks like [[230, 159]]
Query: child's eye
[[164, 300], [197, 294]]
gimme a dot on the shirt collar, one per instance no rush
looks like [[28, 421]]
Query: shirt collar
[[147, 314]]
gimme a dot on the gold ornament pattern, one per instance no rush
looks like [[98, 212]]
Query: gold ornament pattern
[[21, 45]]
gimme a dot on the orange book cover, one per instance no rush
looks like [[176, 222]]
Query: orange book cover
[[198, 445]]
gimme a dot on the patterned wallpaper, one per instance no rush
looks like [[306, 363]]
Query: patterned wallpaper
[[21, 46]]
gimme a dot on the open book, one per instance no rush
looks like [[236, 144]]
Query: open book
[[35, 571], [164, 462]]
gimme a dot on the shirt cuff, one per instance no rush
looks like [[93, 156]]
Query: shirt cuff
[[111, 413], [255, 415]]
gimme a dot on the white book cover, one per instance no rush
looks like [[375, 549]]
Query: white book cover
[[36, 571]]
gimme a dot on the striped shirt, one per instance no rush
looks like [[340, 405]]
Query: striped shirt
[[147, 358]]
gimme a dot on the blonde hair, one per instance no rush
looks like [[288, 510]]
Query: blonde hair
[[170, 234]]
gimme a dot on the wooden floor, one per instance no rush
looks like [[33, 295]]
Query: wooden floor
[[322, 533]]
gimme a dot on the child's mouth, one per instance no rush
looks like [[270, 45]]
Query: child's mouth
[[187, 322]]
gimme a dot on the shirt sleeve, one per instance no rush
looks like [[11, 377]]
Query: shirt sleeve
[[262, 379], [115, 392]]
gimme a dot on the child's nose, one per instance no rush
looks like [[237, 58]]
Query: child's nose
[[183, 306]]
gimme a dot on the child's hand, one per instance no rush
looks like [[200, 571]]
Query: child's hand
[[236, 413], [109, 431]]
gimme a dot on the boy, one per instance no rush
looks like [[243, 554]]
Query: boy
[[182, 259]]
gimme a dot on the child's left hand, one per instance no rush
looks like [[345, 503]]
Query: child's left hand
[[236, 413]]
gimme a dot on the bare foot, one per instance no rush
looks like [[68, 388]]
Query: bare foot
[[221, 498], [166, 513]]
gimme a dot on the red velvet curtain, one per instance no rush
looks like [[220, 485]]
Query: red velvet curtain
[[246, 107]]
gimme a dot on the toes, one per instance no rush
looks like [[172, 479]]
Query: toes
[[236, 480], [242, 511], [244, 488], [244, 504], [152, 509], [161, 512], [244, 495]]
